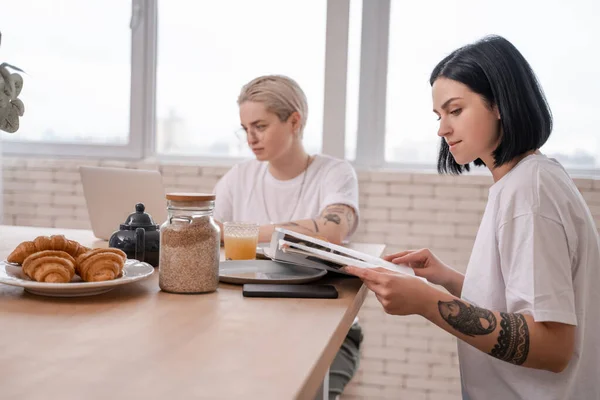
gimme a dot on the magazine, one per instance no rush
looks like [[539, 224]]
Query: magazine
[[295, 248]]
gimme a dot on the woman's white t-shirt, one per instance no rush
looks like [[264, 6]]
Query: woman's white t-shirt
[[537, 252], [248, 192]]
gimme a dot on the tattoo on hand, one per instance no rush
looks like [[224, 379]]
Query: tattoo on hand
[[467, 319], [332, 218], [513, 340], [316, 226]]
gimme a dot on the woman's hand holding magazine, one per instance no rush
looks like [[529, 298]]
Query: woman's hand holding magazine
[[399, 294], [425, 265]]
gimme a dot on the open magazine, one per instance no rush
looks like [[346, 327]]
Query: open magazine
[[295, 248]]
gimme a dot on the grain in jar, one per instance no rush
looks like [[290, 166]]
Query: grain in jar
[[189, 245]]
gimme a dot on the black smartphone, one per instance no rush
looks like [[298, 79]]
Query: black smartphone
[[294, 291]]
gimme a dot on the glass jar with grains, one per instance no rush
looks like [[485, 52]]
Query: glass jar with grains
[[190, 241]]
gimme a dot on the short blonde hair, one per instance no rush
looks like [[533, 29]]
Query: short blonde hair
[[281, 95]]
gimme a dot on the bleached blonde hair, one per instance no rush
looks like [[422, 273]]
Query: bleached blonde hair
[[280, 95]]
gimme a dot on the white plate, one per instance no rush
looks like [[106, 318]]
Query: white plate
[[11, 274], [266, 271]]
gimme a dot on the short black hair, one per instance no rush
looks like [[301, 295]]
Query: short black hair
[[493, 68]]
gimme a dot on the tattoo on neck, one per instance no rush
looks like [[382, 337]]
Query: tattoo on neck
[[513, 340], [332, 218], [469, 320]]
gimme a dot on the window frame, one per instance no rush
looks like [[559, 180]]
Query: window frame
[[370, 136], [142, 94]]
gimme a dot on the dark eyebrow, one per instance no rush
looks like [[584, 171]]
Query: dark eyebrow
[[447, 103]]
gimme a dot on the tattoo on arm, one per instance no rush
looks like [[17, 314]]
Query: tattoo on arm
[[332, 218], [513, 339], [316, 226], [467, 319], [335, 212]]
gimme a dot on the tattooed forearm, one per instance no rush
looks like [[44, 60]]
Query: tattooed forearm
[[467, 319], [316, 225], [513, 340], [289, 224]]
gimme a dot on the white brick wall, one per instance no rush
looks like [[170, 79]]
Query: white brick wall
[[403, 357]]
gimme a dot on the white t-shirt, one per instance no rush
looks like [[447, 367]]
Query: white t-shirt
[[248, 192], [537, 252]]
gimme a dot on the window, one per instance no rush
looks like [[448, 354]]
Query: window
[[208, 51], [557, 38], [76, 56], [136, 78]]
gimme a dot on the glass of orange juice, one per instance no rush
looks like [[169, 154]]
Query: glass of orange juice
[[240, 240]]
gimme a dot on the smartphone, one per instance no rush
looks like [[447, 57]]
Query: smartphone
[[294, 291]]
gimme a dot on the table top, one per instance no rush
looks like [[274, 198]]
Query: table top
[[139, 342]]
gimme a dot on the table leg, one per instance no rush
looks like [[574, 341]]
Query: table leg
[[323, 392]]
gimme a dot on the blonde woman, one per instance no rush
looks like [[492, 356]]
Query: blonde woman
[[286, 186]]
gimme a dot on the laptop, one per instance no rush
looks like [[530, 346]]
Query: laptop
[[112, 193]]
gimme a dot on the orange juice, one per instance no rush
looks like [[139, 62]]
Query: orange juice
[[240, 247]]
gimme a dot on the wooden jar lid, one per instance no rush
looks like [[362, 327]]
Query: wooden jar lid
[[191, 196]]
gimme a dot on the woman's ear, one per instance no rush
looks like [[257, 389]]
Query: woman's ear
[[294, 119]]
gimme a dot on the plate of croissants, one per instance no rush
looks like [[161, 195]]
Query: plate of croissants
[[59, 267]]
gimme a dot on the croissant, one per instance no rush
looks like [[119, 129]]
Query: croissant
[[100, 264], [41, 243], [59, 242], [21, 252], [50, 266]]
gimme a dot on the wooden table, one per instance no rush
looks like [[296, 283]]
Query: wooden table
[[137, 342]]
